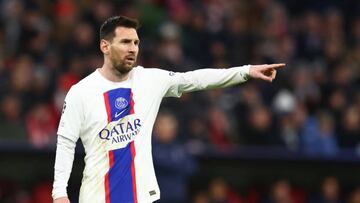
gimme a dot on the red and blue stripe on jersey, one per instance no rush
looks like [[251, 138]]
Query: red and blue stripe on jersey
[[120, 180], [119, 103]]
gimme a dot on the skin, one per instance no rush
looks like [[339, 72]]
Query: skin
[[62, 200], [120, 56], [265, 72]]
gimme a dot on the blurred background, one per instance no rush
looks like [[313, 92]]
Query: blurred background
[[295, 140]]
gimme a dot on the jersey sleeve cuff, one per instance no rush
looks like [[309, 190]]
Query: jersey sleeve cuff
[[244, 72], [58, 194]]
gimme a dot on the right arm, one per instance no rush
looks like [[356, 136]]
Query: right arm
[[63, 164], [68, 134]]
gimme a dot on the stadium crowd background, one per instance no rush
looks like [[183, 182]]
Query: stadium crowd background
[[312, 108]]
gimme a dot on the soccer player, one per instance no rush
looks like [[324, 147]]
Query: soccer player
[[113, 111]]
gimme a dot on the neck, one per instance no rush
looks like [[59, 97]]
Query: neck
[[110, 73]]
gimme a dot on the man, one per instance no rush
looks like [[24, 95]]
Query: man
[[173, 164], [113, 111]]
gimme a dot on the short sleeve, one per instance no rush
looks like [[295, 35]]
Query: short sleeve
[[72, 116]]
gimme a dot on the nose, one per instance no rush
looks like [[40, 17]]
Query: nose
[[133, 48]]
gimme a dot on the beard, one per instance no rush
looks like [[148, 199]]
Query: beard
[[122, 67]]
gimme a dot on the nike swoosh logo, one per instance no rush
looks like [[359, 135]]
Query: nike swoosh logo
[[117, 114]]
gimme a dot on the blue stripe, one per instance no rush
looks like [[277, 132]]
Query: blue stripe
[[119, 102], [120, 177]]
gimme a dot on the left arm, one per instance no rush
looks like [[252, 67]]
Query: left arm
[[218, 78]]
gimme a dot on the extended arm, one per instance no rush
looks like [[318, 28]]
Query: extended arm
[[218, 78]]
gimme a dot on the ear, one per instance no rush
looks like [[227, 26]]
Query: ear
[[104, 46]]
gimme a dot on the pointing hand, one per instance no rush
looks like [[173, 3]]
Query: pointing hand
[[265, 72]]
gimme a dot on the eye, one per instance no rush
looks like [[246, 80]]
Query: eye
[[125, 41]]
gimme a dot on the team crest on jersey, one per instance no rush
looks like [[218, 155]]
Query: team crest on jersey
[[121, 103]]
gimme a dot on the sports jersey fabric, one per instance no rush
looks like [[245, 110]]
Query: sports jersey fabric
[[114, 121]]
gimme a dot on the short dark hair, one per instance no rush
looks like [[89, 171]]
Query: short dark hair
[[107, 29]]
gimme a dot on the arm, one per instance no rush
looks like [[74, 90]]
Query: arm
[[68, 134], [63, 164], [218, 78]]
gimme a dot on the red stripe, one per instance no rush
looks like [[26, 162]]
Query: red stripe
[[133, 153], [107, 105], [132, 111], [107, 185]]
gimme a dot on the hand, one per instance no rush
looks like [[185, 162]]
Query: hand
[[265, 72], [62, 200]]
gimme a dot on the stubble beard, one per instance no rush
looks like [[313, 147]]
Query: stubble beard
[[122, 68]]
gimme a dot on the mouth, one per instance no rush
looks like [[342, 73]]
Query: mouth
[[130, 59]]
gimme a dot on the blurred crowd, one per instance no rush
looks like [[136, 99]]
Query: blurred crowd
[[178, 172], [218, 190], [313, 107], [279, 191]]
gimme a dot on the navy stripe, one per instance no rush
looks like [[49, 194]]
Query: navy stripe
[[120, 176]]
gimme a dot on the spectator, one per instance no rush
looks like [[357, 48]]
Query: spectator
[[318, 136], [330, 191], [282, 192], [41, 126], [172, 162], [219, 129], [350, 128], [11, 124], [355, 196], [201, 197], [284, 105], [221, 192], [260, 129]]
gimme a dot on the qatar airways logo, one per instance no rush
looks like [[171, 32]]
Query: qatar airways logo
[[122, 131]]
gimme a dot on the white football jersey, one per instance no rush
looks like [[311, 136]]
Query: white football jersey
[[114, 121]]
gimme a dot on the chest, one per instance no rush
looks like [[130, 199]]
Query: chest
[[124, 105]]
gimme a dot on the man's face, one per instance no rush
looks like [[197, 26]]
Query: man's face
[[123, 49]]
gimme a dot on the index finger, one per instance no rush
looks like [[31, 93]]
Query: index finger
[[276, 65]]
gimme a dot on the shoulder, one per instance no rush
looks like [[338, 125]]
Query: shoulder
[[89, 80], [87, 84], [79, 89], [74, 93], [152, 72]]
